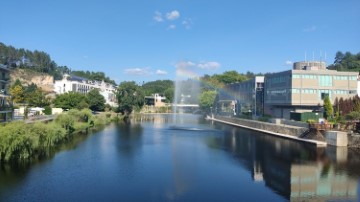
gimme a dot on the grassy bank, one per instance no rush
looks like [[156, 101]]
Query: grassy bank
[[21, 141]]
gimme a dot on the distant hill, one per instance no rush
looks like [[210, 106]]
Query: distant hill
[[41, 62], [346, 62]]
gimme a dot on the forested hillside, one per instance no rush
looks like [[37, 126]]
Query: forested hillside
[[40, 61]]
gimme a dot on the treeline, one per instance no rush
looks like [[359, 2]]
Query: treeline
[[98, 76], [41, 61], [346, 62]]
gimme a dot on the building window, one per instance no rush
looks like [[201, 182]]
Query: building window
[[325, 80]]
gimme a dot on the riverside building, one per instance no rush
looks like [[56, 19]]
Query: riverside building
[[304, 88], [6, 111], [82, 85], [245, 97]]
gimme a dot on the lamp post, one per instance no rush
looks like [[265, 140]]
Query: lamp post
[[212, 116]]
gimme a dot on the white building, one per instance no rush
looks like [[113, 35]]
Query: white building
[[81, 85]]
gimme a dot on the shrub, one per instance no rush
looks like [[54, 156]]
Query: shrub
[[48, 110]]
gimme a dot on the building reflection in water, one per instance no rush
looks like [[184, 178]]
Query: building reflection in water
[[298, 172]]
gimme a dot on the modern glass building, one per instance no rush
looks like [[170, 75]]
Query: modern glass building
[[245, 97], [303, 88]]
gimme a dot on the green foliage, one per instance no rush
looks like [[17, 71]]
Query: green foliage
[[48, 110], [21, 58], [352, 116], [66, 121], [346, 62], [130, 97], [328, 108], [20, 141], [96, 100], [32, 95], [98, 76], [71, 100], [207, 99], [230, 77], [159, 86]]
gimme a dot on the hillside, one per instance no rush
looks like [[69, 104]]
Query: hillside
[[27, 77]]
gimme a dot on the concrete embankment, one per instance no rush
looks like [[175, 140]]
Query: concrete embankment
[[283, 131]]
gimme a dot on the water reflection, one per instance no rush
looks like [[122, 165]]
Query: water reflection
[[296, 171]]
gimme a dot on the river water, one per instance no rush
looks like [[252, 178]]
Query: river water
[[186, 159]]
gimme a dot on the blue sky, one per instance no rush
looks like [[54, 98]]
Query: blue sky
[[146, 40]]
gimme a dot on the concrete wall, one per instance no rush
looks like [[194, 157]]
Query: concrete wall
[[336, 138], [283, 129]]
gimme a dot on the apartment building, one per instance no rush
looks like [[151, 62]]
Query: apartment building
[[303, 88], [6, 111], [82, 85]]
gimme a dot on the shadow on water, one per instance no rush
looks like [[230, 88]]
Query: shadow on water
[[129, 136], [298, 172]]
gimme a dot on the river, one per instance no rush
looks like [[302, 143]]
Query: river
[[185, 159]]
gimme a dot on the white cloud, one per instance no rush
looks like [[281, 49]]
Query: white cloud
[[161, 72], [138, 71], [184, 64], [310, 29], [288, 62], [187, 23], [201, 65], [173, 15], [209, 65], [158, 17], [172, 27]]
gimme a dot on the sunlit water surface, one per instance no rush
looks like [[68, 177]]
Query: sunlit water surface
[[190, 160]]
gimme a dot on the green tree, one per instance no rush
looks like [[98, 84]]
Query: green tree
[[328, 108], [17, 93], [230, 77], [169, 94], [130, 97], [207, 99], [96, 100], [71, 100], [37, 98]]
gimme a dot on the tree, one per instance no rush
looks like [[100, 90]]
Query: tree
[[71, 100], [207, 99], [96, 100], [328, 107], [130, 97], [37, 98], [230, 77], [17, 93]]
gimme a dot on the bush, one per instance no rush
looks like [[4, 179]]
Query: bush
[[48, 110]]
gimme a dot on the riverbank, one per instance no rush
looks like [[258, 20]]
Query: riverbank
[[282, 131], [20, 141]]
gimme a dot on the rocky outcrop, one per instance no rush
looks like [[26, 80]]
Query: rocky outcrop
[[27, 77]]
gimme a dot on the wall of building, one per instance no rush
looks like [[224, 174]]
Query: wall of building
[[304, 88]]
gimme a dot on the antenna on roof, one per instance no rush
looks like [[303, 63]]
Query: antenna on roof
[[313, 55], [305, 56], [320, 55], [325, 56]]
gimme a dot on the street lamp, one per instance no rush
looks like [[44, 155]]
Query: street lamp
[[212, 116]]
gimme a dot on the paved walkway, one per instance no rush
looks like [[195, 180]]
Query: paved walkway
[[314, 142]]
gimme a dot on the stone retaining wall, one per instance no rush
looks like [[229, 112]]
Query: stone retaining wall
[[283, 129]]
